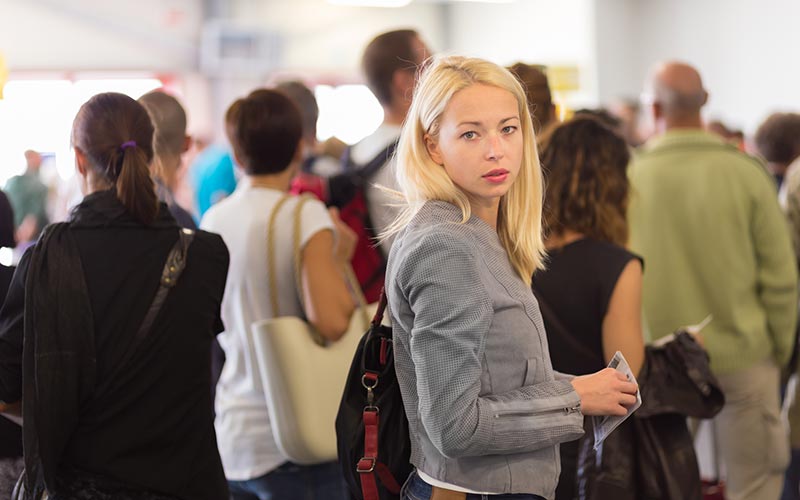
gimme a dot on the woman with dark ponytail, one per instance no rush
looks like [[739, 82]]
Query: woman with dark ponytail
[[106, 331]]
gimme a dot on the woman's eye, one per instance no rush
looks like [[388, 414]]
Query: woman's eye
[[509, 129], [469, 135]]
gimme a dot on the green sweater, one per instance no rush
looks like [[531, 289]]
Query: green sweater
[[706, 219]]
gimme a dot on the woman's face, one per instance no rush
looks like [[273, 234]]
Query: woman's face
[[480, 143]]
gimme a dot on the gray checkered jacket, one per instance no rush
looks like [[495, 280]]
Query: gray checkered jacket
[[485, 409]]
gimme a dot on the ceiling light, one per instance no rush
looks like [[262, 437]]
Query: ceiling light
[[371, 3]]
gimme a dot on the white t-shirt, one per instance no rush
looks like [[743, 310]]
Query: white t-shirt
[[244, 435], [379, 203]]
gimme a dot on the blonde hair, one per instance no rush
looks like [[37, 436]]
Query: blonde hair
[[420, 179]]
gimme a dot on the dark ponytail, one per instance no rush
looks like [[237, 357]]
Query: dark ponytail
[[115, 133], [135, 186]]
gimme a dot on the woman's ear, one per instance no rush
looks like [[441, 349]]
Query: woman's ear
[[81, 163], [433, 150]]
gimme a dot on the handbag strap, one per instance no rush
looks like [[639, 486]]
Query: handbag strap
[[173, 267], [298, 258], [273, 280]]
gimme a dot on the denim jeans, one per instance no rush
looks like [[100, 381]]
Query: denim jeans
[[417, 489], [292, 481]]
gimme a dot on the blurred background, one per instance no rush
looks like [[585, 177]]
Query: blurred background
[[54, 54]]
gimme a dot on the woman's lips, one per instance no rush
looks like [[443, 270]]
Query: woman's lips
[[496, 176]]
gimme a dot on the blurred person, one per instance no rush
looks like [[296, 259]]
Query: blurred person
[[212, 176], [540, 99], [777, 140], [592, 285], [390, 63], [265, 130], [602, 115], [315, 159], [485, 409], [170, 143], [362, 191], [110, 318], [628, 112], [707, 222], [735, 137], [11, 463], [28, 196]]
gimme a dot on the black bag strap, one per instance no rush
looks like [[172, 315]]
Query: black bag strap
[[559, 329], [173, 267], [370, 168], [343, 187]]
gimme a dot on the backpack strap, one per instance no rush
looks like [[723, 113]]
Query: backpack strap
[[371, 167], [342, 187]]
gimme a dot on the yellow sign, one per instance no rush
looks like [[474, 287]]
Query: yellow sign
[[564, 78], [3, 74]]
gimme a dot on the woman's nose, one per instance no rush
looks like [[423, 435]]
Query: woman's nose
[[494, 149]]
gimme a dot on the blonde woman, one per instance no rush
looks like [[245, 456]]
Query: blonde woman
[[486, 410]]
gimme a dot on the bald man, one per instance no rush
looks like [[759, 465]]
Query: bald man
[[706, 219]]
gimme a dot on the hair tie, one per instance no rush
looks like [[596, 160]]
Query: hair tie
[[126, 145]]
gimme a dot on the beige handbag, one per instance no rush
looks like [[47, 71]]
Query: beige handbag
[[303, 378]]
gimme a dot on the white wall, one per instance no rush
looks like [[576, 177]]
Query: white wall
[[329, 38], [158, 35], [746, 51], [616, 48], [532, 31], [744, 48]]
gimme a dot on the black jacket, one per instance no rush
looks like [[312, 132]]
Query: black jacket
[[74, 305], [651, 455]]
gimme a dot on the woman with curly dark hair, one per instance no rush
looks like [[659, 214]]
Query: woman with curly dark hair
[[590, 292]]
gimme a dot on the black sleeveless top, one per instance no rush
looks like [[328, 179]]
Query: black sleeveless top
[[573, 294], [576, 288]]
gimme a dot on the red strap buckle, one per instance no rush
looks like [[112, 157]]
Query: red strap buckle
[[366, 465]]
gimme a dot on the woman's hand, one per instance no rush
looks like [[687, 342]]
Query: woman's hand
[[345, 239], [607, 392]]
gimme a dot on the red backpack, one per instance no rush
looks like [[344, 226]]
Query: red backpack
[[347, 192]]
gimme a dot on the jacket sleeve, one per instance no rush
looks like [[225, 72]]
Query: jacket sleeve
[[11, 334], [776, 271], [452, 315]]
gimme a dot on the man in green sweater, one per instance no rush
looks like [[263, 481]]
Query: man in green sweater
[[705, 217]]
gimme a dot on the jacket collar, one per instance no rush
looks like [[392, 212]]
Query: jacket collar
[[103, 209], [683, 136]]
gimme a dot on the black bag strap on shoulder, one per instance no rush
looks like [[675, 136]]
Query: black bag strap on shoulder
[[343, 187], [173, 267]]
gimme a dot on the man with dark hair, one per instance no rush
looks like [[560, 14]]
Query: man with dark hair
[[390, 63], [778, 141], [707, 222], [265, 130]]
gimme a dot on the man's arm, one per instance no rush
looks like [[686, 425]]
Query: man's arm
[[776, 273]]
